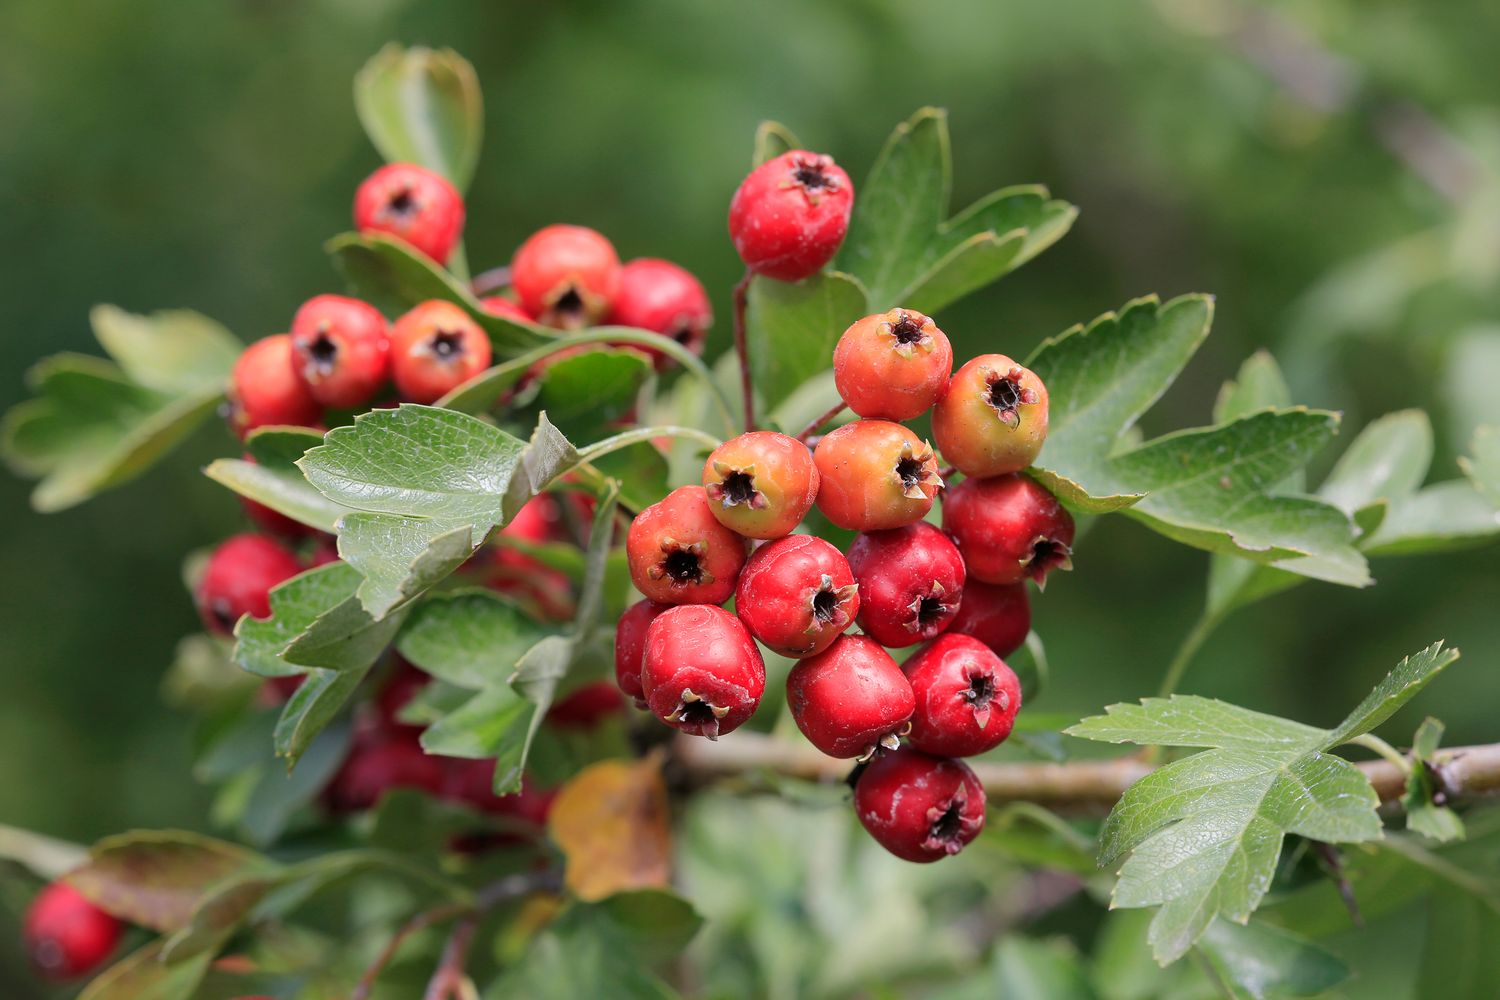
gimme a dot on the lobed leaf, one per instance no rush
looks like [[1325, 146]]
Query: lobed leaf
[[1397, 688], [1483, 469], [173, 351], [471, 638], [274, 480], [1266, 961]]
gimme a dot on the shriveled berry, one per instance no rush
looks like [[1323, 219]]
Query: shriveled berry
[[967, 697], [789, 216], [586, 707], [992, 419], [1008, 528], [702, 673], [679, 552], [435, 348], [265, 389], [630, 646], [377, 765], [797, 595], [851, 699], [911, 581], [997, 614], [920, 807], [341, 350], [659, 296], [238, 579], [566, 276], [413, 204], [66, 936], [499, 305], [874, 474], [761, 484], [893, 365]]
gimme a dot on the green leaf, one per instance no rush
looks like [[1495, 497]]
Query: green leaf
[[1423, 814], [1399, 687], [1483, 469], [1186, 720], [472, 638], [587, 392], [1029, 969], [274, 480], [1259, 385], [792, 329], [422, 106], [1459, 957], [1265, 961], [143, 975], [1387, 461], [295, 605], [1444, 517], [174, 351], [771, 140]]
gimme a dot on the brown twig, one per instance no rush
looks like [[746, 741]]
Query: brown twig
[[811, 428], [450, 977], [742, 349], [492, 280]]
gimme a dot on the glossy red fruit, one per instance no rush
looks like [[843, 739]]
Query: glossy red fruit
[[566, 276], [265, 389], [659, 296], [238, 580], [893, 365], [702, 673], [790, 215], [919, 807], [797, 595], [997, 614], [874, 474], [851, 699], [630, 647], [1008, 528], [992, 418], [435, 348], [761, 484], [413, 204], [911, 581], [66, 936], [680, 554], [967, 698], [499, 305], [340, 349], [377, 765], [586, 707]]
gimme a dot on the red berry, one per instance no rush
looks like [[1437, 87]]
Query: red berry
[[414, 204], [499, 305], [435, 348], [566, 276], [997, 614], [377, 765], [586, 707], [911, 581], [789, 216], [874, 474], [680, 554], [522, 575], [993, 417], [340, 350], [472, 782], [66, 936], [851, 699], [967, 698], [659, 296], [892, 365], [761, 484], [919, 807], [797, 595], [702, 673], [1008, 528], [238, 579], [630, 646], [265, 389]]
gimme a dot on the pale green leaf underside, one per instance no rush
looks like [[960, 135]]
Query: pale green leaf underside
[[172, 351], [1483, 467], [422, 106]]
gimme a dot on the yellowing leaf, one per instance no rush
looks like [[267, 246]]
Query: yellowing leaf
[[611, 823]]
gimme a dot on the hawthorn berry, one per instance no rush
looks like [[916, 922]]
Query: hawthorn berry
[[789, 216], [679, 553], [967, 698], [911, 581], [1008, 528], [265, 389], [997, 614], [566, 276], [920, 807], [875, 474], [850, 700], [992, 418], [702, 673], [436, 347], [630, 647], [340, 349], [761, 484], [586, 706], [412, 203], [379, 763], [238, 579], [797, 595], [659, 296], [67, 936], [499, 305], [892, 366]]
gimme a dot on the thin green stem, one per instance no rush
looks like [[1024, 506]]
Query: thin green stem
[[1372, 742], [599, 449], [742, 349], [1191, 643]]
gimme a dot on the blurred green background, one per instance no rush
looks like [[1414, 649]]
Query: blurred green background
[[163, 154]]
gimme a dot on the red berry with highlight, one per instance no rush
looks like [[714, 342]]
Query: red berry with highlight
[[679, 552], [566, 276], [702, 673], [997, 614], [630, 646], [499, 305], [911, 581], [66, 936], [992, 419], [967, 698], [435, 348], [659, 296], [1008, 528], [238, 579], [790, 215], [797, 595], [892, 366], [413, 204], [761, 484], [851, 699], [341, 350], [919, 807], [265, 389], [874, 474]]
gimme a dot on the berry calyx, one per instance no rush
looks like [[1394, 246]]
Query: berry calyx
[[790, 215], [435, 348], [67, 936], [238, 579], [967, 697], [1008, 528], [630, 647], [659, 296], [850, 700], [911, 581], [761, 484], [875, 474], [920, 807], [340, 349], [566, 276], [679, 552], [992, 418], [499, 305], [702, 673], [413, 204], [997, 614], [797, 595], [892, 366], [265, 389]]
